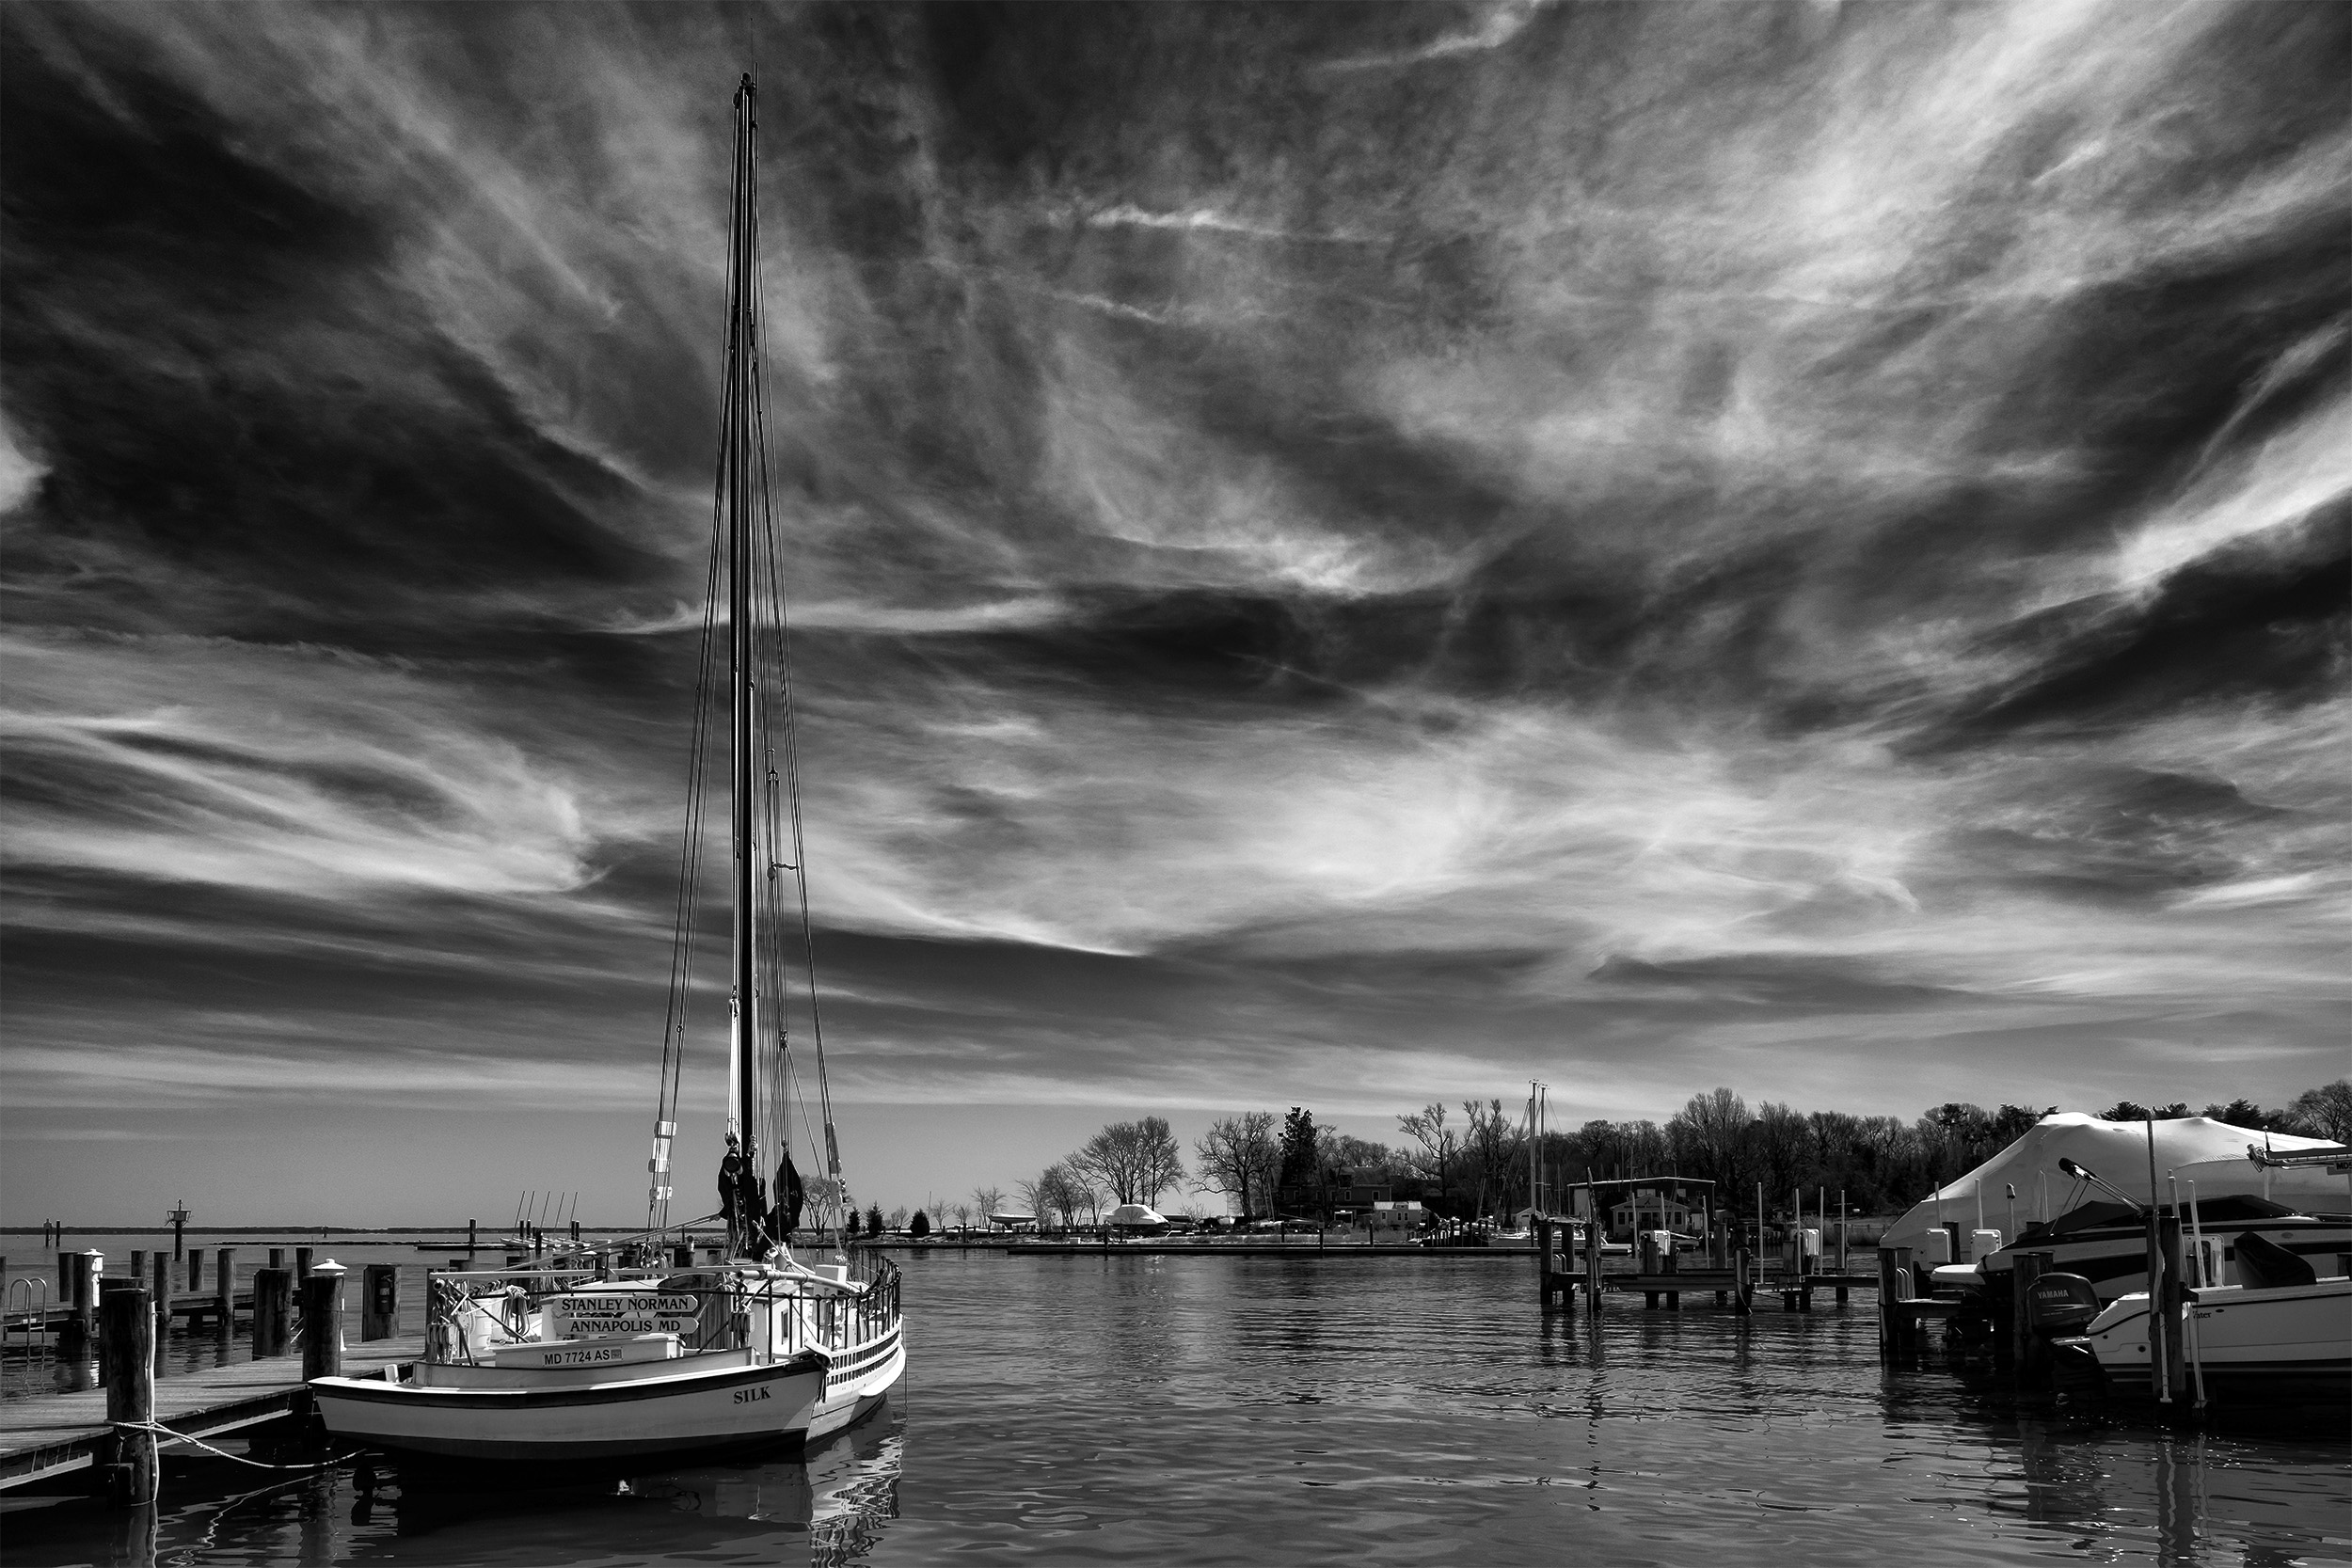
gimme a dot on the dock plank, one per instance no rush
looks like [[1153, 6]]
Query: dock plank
[[50, 1434]]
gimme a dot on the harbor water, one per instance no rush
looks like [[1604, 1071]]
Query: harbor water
[[1318, 1410]]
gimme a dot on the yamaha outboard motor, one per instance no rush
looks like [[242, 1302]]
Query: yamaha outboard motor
[[2059, 1303]]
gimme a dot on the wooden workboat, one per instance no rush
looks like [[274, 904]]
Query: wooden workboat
[[619, 1361], [544, 1368]]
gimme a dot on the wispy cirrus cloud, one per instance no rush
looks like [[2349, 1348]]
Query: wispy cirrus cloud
[[1338, 553], [302, 770]]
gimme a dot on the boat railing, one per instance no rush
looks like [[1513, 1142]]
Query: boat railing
[[471, 1310]]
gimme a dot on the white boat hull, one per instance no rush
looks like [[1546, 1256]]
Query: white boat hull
[[527, 1368], [737, 1406], [2292, 1344], [2113, 1256]]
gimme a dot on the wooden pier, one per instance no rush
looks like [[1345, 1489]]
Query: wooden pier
[[53, 1434], [1662, 1280], [106, 1428]]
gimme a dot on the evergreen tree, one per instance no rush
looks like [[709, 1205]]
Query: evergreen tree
[[920, 1225], [873, 1219], [1298, 1149]]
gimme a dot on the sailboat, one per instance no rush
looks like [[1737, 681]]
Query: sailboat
[[613, 1360]]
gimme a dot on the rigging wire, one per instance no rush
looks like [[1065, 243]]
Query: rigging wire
[[832, 1165], [686, 917]]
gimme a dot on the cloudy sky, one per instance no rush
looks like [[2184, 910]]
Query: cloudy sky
[[1343, 556]]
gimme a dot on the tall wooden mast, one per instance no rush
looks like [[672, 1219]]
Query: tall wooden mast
[[742, 471]]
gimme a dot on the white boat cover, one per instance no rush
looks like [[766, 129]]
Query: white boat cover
[[1133, 1215], [2312, 1189], [2118, 1151]]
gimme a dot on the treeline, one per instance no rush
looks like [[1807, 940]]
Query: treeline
[[1128, 1162], [1478, 1164]]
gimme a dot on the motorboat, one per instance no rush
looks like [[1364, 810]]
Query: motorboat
[[2283, 1337], [2106, 1242]]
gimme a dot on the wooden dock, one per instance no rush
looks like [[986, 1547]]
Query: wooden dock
[[1795, 1291], [1248, 1249], [53, 1435], [190, 1307]]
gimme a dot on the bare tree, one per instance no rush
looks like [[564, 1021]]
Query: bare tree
[[988, 1201], [1163, 1163], [1236, 1156], [1033, 1197], [2326, 1112], [1439, 1146], [963, 1212], [1492, 1145], [1782, 1139], [1133, 1160], [1708, 1136], [1060, 1191]]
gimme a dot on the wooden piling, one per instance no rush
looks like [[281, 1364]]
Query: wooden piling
[[1743, 1283], [195, 1270], [162, 1296], [2169, 1299], [278, 1258], [379, 1301], [1906, 1323], [224, 1290], [272, 1306], [1886, 1303], [1592, 1252], [322, 1322], [130, 1330], [301, 1295], [78, 1340], [470, 1229]]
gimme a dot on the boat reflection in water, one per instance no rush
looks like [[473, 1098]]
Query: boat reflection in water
[[836, 1495], [2195, 1497], [843, 1492]]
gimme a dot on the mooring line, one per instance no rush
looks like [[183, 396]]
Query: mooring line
[[160, 1430]]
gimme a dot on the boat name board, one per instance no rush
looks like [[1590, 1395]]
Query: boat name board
[[584, 1317]]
